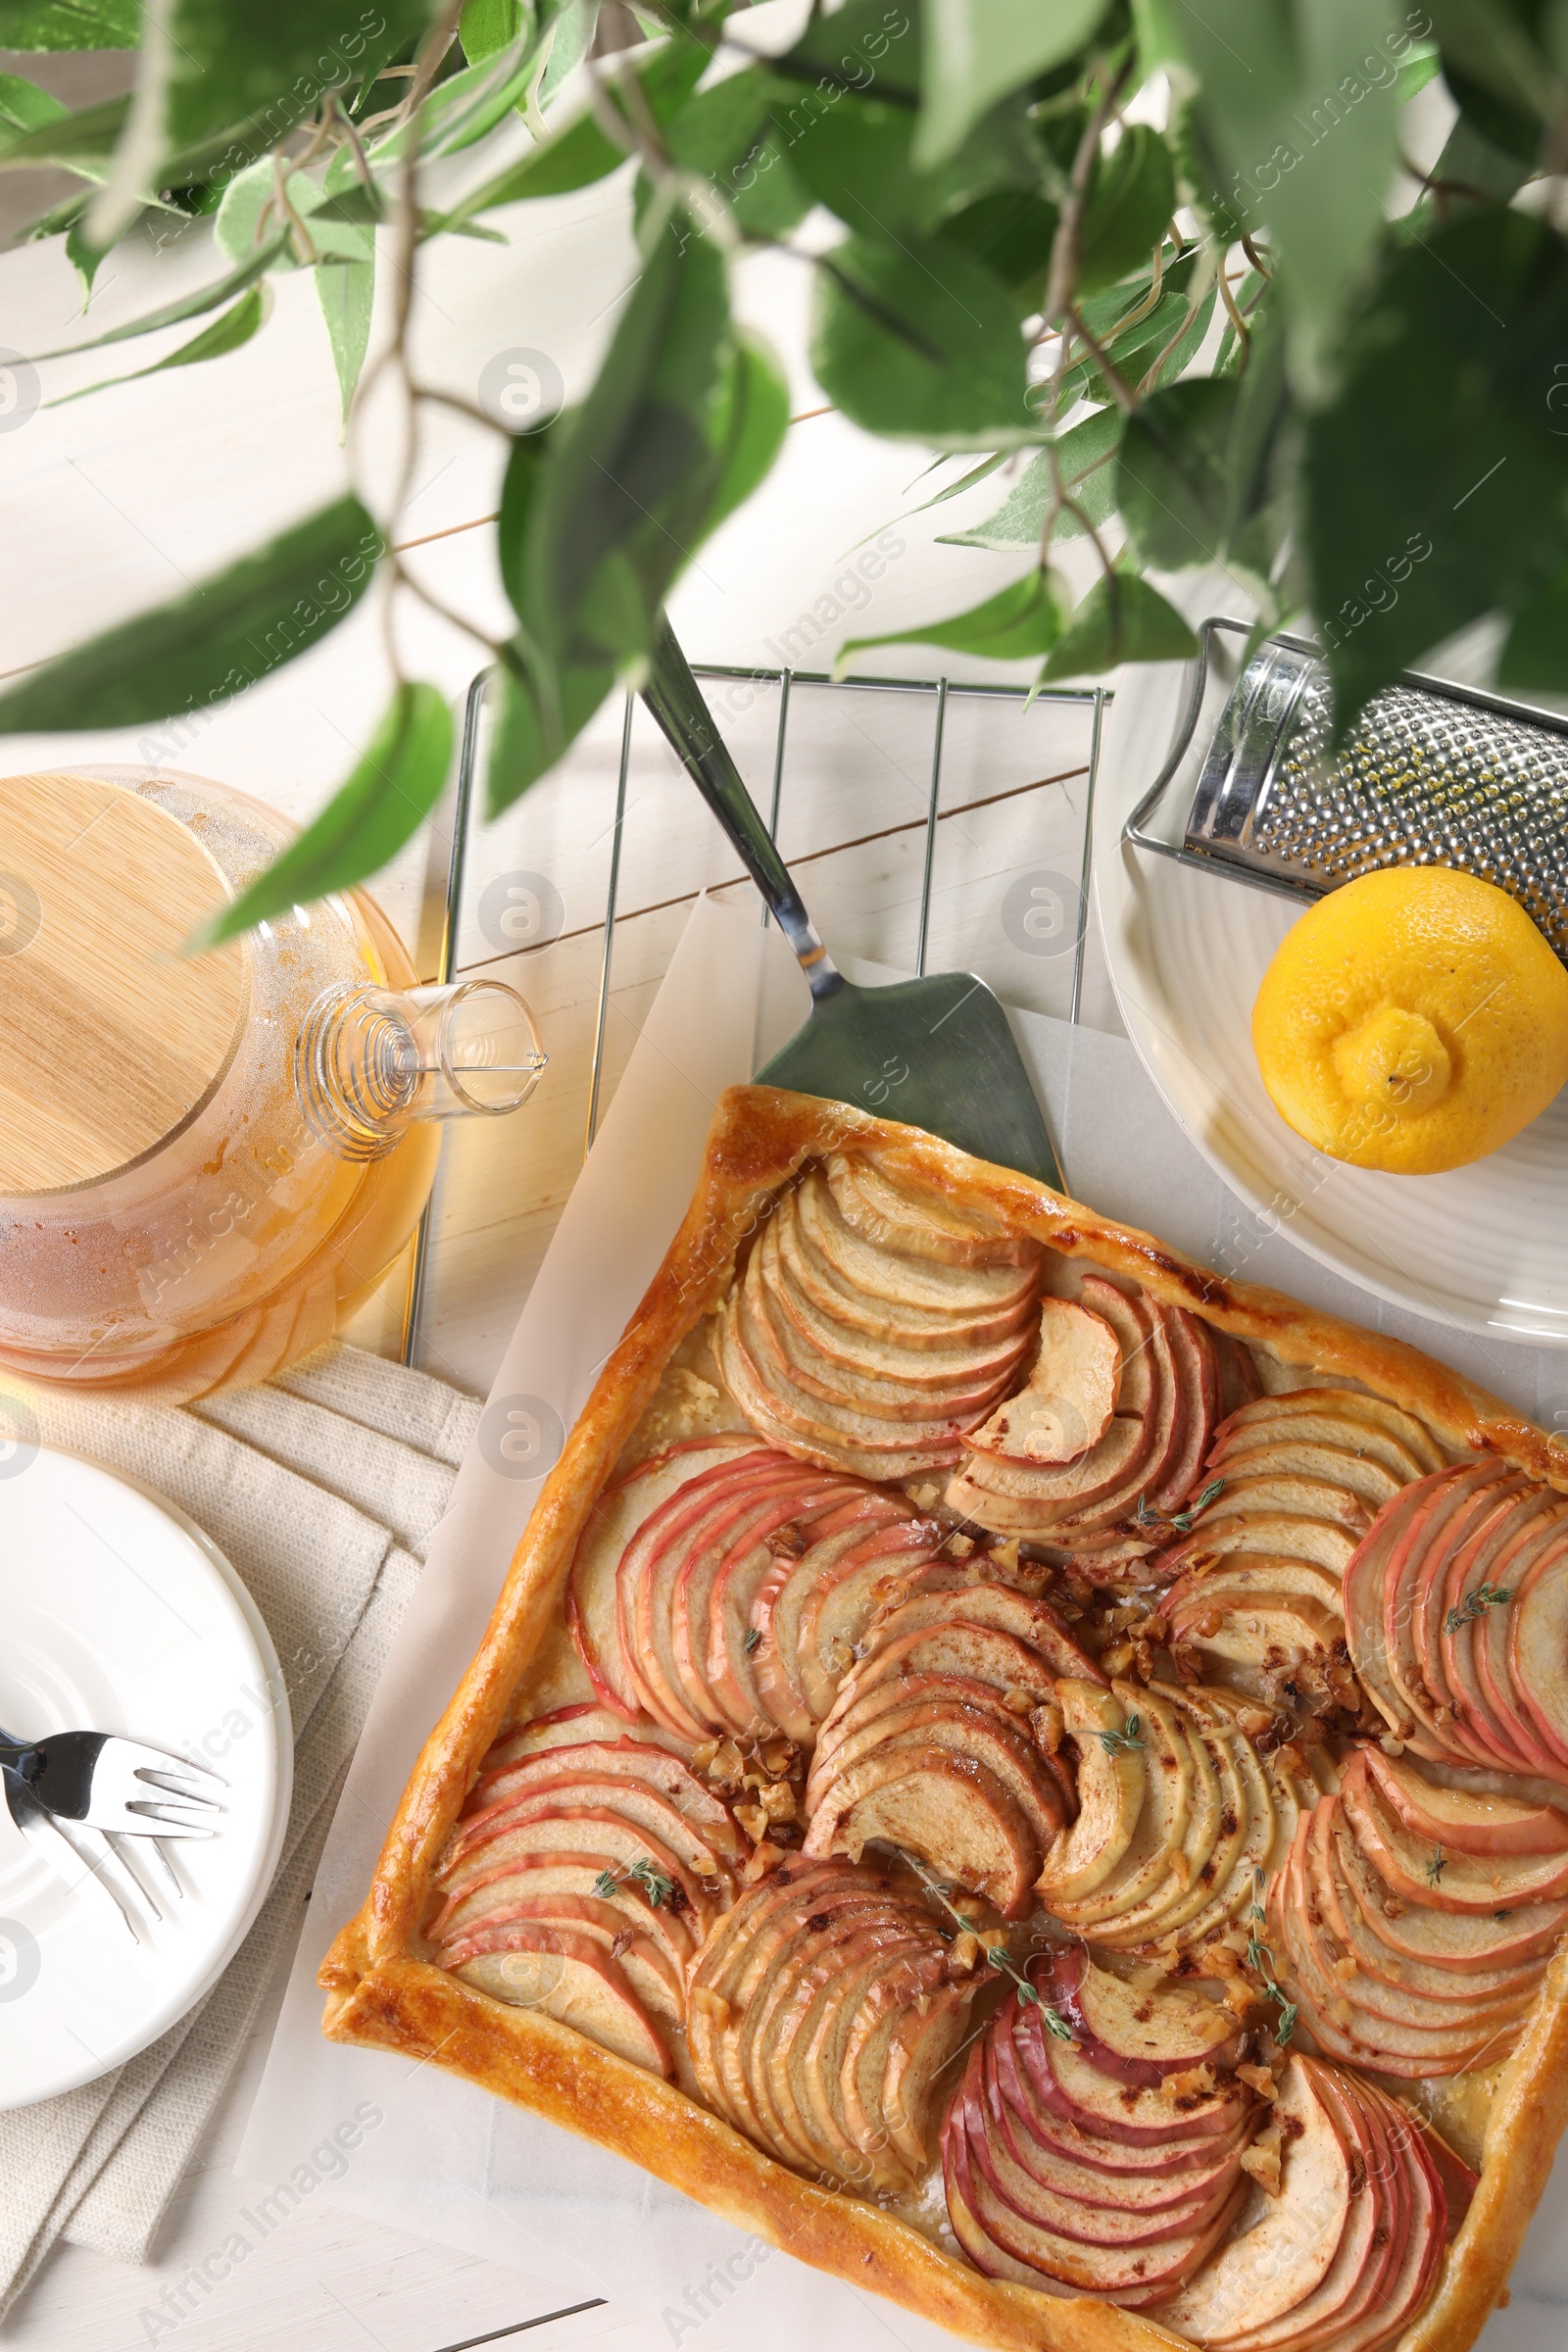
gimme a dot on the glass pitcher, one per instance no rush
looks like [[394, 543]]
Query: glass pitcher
[[207, 1160]]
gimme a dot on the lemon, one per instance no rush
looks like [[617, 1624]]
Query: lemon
[[1414, 1020]]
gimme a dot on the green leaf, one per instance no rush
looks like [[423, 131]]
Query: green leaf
[[978, 50], [523, 746], [174, 314], [580, 153], [1011, 230], [629, 479], [1419, 67], [1084, 459], [339, 227], [1175, 476], [1121, 619], [76, 140], [1022, 620], [69, 23], [200, 649], [1437, 478], [1132, 196], [855, 154], [346, 291], [259, 73], [82, 255], [570, 42], [225, 334], [1299, 106], [749, 423], [770, 198], [386, 797], [24, 107], [918, 342], [487, 26], [863, 43]]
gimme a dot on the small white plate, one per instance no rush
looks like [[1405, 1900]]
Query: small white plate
[[1484, 1247], [117, 1614]]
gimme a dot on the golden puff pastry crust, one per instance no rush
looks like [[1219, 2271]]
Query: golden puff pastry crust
[[383, 1994]]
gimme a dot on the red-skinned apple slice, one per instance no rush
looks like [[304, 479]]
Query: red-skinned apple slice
[[590, 1592], [1139, 2036], [1367, 1415], [919, 1224], [1469, 1943], [982, 1734], [731, 1609], [1370, 1481], [1237, 1366], [1066, 1403], [566, 1874], [890, 2079], [905, 1277], [1416, 1873], [1337, 2311], [813, 2007], [1273, 2268], [571, 1727], [1366, 1575], [1353, 1915], [858, 1355], [838, 1436], [636, 1761], [979, 1318], [647, 1967], [1066, 2217], [724, 1544], [598, 1797], [1101, 2172], [1536, 1650], [783, 1594], [1167, 1805], [835, 1614], [574, 1978], [1454, 1511], [1467, 1821], [974, 1594], [1197, 1382], [1490, 1724], [1282, 1535], [691, 1526], [1447, 1574], [947, 1808], [1104, 2107]]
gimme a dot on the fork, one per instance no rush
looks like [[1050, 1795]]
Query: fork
[[104, 1783], [95, 1883]]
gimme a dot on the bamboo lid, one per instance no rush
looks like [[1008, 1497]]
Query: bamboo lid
[[110, 1039]]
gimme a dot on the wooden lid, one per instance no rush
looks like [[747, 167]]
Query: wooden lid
[[109, 1036]]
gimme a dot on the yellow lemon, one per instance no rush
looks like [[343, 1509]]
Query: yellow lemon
[[1414, 1020]]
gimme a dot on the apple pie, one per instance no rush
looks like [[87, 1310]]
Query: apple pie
[[1028, 1774]]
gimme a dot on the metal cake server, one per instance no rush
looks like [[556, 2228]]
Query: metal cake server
[[936, 1053]]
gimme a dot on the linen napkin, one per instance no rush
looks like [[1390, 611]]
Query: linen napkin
[[322, 1488]]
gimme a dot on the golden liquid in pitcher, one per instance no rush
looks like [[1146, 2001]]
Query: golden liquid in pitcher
[[235, 1245]]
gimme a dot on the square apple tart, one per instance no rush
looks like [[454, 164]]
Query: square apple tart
[[1027, 1774]]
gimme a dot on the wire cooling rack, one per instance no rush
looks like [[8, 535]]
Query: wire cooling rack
[[865, 703]]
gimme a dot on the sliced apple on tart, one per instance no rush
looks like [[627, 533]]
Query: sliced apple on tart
[[1414, 1919], [820, 2014], [1344, 2253], [931, 1746], [870, 1329], [1101, 1446], [1096, 2143], [1456, 1617]]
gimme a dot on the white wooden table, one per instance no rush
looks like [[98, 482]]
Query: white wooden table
[[118, 502]]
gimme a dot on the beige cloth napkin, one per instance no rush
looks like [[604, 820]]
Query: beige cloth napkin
[[322, 1488]]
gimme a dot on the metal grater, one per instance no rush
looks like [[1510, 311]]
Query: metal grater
[[1435, 776]]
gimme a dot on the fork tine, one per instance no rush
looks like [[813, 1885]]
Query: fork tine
[[102, 1872], [171, 1873], [165, 1783], [141, 1758], [120, 1850], [161, 1823]]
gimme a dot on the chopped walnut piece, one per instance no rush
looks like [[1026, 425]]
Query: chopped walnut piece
[[703, 1754], [1018, 1701], [1196, 2082], [1187, 1662], [958, 1548], [1117, 1658], [710, 2004], [778, 1756], [924, 1496], [1258, 2079], [764, 1857], [778, 1804], [704, 1866], [1152, 1630], [1005, 1555], [1262, 2160], [964, 1950], [971, 1907], [1209, 1623], [1254, 1721], [727, 1765], [753, 1820]]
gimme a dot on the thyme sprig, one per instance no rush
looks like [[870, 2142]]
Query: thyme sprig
[[1437, 1866], [1183, 1520], [644, 1874], [1125, 1741], [1054, 2022], [1474, 1606], [1260, 1960], [754, 1639]]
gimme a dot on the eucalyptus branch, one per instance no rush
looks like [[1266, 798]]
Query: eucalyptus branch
[[1243, 330], [1257, 261], [1202, 279]]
